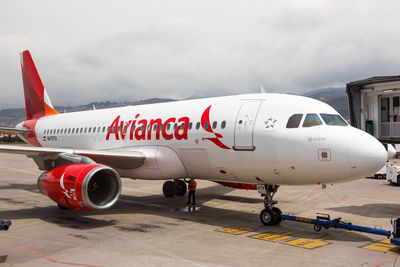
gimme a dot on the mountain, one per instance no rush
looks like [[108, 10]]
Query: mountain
[[12, 116], [335, 97]]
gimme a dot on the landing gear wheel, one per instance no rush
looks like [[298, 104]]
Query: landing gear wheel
[[268, 217], [279, 215], [317, 227], [169, 189], [180, 188]]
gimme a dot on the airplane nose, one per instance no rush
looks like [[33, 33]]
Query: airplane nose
[[366, 155]]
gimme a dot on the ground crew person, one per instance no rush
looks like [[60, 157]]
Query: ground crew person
[[192, 190]]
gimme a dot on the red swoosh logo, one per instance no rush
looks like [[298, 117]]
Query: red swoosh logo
[[206, 124]]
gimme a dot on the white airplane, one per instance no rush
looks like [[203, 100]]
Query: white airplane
[[251, 141]]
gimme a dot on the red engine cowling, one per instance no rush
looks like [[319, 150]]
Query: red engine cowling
[[81, 186], [239, 185]]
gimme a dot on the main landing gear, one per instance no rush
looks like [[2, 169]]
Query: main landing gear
[[270, 215], [174, 188]]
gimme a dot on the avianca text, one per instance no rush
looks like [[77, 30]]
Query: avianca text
[[143, 129]]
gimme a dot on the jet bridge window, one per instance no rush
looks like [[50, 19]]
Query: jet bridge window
[[333, 119], [294, 121], [311, 120]]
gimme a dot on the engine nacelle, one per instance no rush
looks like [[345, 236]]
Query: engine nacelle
[[81, 186]]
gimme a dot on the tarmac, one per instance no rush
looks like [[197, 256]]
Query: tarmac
[[146, 229]]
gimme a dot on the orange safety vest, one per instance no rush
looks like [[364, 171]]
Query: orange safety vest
[[192, 185]]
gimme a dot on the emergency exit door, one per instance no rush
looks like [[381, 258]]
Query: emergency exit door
[[244, 126]]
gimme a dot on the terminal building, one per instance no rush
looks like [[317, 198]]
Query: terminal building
[[374, 106]]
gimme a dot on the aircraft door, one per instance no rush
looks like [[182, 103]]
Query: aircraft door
[[244, 126]]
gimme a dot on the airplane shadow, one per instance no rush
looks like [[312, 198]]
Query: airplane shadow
[[376, 210], [174, 208]]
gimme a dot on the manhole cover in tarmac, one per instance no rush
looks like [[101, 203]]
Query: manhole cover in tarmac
[[3, 258]]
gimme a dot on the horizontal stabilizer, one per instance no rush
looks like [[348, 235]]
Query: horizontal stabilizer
[[7, 130]]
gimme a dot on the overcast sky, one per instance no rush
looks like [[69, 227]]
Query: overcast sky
[[117, 50]]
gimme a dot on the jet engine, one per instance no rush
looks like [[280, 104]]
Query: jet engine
[[81, 186]]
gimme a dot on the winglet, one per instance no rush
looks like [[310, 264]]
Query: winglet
[[37, 102]]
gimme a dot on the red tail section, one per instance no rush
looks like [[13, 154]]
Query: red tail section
[[37, 102]]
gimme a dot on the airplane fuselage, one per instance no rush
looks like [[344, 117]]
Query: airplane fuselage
[[243, 138]]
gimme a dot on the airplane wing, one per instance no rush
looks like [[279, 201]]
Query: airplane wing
[[114, 159]]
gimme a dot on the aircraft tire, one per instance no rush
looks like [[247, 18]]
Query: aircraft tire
[[180, 188], [169, 189], [269, 217], [279, 215]]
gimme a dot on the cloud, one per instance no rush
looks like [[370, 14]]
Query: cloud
[[126, 50]]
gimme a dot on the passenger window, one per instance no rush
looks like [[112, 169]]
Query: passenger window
[[333, 119], [311, 120], [190, 125], [73, 130], [197, 125], [206, 125], [168, 126], [90, 129], [81, 130], [214, 125], [294, 121], [104, 128], [98, 129], [58, 131], [223, 124], [175, 126]]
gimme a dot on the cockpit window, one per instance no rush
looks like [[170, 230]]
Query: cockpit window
[[311, 120], [294, 121], [333, 119]]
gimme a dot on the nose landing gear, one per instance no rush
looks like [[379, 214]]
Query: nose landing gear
[[270, 215]]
